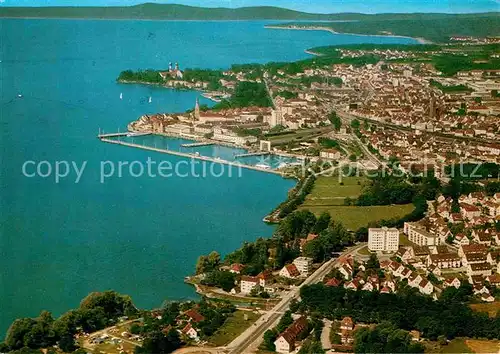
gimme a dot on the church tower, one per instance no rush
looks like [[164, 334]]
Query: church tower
[[197, 110], [432, 107]]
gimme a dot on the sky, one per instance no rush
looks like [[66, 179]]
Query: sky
[[316, 6]]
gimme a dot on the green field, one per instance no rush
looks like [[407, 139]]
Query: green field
[[354, 217], [233, 327], [457, 345], [328, 191], [364, 251], [328, 195], [403, 240], [463, 345]]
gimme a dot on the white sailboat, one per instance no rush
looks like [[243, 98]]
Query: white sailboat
[[121, 96], [150, 100]]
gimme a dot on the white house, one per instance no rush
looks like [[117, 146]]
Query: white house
[[190, 331], [303, 264], [417, 234], [414, 280], [455, 282], [426, 287], [249, 283]]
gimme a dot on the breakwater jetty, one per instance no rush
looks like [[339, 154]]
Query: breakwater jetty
[[189, 155], [192, 145], [116, 135], [258, 153]]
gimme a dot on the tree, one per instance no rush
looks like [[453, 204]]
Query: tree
[[221, 279], [269, 338], [42, 334], [335, 120], [362, 234], [385, 338], [314, 249], [135, 328], [355, 124], [17, 332], [285, 321], [296, 225], [348, 201], [67, 344], [208, 263], [157, 342], [322, 223], [373, 262], [312, 347]]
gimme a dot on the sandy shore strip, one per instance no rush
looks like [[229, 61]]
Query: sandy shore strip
[[420, 40]]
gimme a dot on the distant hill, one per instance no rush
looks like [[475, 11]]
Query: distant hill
[[161, 12], [182, 12], [432, 27]]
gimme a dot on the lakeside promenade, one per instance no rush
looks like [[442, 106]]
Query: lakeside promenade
[[192, 156]]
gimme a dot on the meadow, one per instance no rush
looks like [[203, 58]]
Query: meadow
[[329, 193]]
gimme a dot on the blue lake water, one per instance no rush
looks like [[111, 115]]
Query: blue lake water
[[139, 236], [215, 151]]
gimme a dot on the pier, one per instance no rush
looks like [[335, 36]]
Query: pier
[[192, 145], [128, 134], [192, 156], [137, 134], [258, 153], [111, 135]]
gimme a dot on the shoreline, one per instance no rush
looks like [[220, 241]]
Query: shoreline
[[420, 40], [205, 94]]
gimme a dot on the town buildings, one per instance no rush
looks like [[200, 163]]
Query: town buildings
[[383, 239], [285, 343], [303, 265]]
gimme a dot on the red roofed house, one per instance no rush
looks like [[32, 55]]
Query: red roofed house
[[346, 328], [285, 343], [333, 282], [352, 285], [236, 268], [303, 241], [289, 271], [347, 323], [194, 316], [426, 287], [494, 279], [455, 282], [264, 278], [469, 211], [190, 331]]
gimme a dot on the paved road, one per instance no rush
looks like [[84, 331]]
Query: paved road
[[250, 340], [347, 118], [270, 93], [325, 334]]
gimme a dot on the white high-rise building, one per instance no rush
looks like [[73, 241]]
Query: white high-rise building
[[383, 239]]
